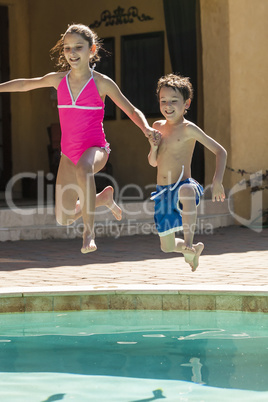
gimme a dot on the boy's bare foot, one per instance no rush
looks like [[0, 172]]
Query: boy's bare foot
[[89, 244], [193, 259], [189, 253], [108, 198]]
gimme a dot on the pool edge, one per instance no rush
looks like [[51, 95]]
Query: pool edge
[[134, 297]]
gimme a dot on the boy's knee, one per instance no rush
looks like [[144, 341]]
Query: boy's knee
[[187, 191]]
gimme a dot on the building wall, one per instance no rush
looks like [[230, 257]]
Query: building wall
[[216, 79], [249, 87], [235, 65]]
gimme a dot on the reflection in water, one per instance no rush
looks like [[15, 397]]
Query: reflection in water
[[213, 357], [194, 362]]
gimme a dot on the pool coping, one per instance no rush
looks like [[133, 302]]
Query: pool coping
[[134, 297]]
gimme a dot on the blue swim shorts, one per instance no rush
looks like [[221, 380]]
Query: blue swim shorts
[[167, 209]]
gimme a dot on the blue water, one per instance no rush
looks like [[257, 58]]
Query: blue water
[[133, 356]]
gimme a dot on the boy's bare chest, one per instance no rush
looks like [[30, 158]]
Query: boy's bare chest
[[174, 140]]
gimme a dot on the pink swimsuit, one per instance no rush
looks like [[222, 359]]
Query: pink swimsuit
[[81, 119]]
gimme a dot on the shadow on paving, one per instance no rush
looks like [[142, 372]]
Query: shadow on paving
[[52, 253]]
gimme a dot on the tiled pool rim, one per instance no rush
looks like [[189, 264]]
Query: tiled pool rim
[[130, 297]]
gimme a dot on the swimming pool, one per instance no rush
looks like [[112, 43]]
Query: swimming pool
[[134, 356]]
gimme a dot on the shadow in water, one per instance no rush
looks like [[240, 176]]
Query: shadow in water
[[157, 394], [55, 397]]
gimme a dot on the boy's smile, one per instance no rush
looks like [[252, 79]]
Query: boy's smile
[[172, 104]]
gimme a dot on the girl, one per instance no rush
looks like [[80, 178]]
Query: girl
[[81, 94]]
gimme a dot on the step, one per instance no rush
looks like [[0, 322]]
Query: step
[[36, 223]]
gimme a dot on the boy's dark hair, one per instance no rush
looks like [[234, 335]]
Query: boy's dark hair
[[182, 84]]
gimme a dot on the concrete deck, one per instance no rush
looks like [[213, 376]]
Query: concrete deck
[[233, 256]]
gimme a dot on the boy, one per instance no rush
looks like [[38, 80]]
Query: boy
[[177, 194]]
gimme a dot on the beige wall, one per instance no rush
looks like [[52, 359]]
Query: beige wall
[[216, 78], [249, 83], [235, 65]]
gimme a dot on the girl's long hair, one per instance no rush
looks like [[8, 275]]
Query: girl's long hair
[[57, 52]]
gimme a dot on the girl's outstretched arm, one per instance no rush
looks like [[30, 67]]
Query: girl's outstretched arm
[[109, 87], [28, 84]]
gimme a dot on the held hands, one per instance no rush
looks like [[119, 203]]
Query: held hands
[[217, 192], [153, 136]]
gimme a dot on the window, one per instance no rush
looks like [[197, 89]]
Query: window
[[142, 64]]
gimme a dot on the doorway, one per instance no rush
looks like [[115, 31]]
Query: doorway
[[184, 42], [5, 115]]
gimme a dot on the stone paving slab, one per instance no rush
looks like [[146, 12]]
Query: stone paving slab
[[232, 256]]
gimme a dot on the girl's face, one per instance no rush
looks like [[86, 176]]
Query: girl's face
[[172, 104], [76, 50]]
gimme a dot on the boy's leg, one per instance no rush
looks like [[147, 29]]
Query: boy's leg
[[170, 243], [187, 197], [189, 213]]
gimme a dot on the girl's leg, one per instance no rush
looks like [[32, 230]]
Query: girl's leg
[[67, 192], [68, 207], [91, 162], [104, 198]]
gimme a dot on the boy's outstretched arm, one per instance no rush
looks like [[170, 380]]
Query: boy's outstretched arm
[[217, 189], [218, 193]]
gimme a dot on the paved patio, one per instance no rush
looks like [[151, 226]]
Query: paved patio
[[232, 256]]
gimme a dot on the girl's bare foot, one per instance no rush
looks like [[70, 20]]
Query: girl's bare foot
[[89, 244], [107, 196]]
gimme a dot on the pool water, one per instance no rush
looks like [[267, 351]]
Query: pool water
[[134, 356]]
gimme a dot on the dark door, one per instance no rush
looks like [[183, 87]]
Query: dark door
[[5, 125]]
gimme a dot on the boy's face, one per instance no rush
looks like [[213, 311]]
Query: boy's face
[[172, 104]]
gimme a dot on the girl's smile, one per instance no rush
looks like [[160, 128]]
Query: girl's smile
[[76, 49]]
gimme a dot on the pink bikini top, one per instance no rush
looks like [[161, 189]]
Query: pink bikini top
[[80, 119]]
